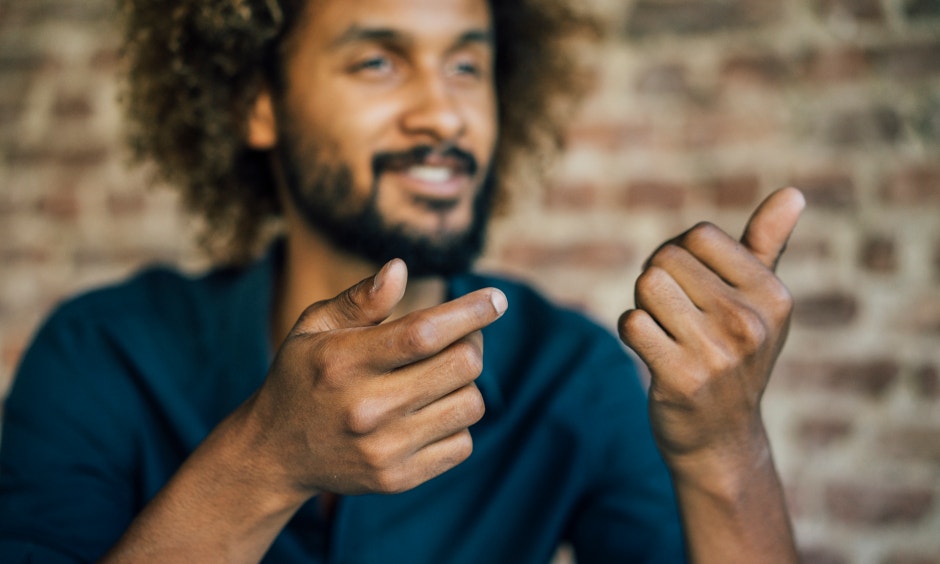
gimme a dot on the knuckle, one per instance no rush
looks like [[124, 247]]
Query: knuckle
[[420, 336], [474, 406], [363, 417], [376, 455], [720, 361], [389, 481], [702, 231], [463, 447], [347, 304], [781, 301], [310, 320], [699, 234], [747, 328], [651, 280], [667, 254], [468, 358]]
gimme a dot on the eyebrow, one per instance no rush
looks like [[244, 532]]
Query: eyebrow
[[359, 34]]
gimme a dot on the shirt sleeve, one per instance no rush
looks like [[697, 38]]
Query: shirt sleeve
[[68, 442]]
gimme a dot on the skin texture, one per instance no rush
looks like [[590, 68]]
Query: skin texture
[[711, 320], [372, 388]]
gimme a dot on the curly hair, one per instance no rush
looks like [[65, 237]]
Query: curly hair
[[192, 69]]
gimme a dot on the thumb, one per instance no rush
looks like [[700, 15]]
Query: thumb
[[771, 223], [367, 303]]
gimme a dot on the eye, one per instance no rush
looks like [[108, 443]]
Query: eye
[[466, 67], [376, 64]]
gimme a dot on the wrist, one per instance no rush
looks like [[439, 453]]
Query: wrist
[[255, 462], [724, 471]]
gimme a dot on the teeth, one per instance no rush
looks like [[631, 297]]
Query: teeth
[[431, 173]]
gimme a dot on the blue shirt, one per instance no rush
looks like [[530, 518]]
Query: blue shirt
[[121, 385]]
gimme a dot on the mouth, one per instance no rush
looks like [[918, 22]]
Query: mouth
[[430, 175]]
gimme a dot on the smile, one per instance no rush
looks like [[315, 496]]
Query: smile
[[432, 174]]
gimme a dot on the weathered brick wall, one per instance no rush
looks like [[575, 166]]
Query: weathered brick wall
[[700, 108]]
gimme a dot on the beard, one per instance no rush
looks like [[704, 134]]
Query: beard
[[324, 196]]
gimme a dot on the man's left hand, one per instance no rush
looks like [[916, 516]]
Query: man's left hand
[[711, 318]]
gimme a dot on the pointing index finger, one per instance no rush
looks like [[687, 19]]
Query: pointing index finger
[[425, 333]]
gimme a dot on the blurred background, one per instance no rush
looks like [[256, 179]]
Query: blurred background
[[699, 108]]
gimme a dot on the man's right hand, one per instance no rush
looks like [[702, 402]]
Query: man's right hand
[[354, 405]]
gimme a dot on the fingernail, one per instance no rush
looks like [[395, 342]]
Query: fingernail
[[379, 279], [499, 301]]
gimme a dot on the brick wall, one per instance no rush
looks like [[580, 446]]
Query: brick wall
[[700, 108]]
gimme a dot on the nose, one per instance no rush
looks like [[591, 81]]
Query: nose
[[433, 111]]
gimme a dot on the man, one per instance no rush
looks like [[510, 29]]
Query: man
[[228, 419]]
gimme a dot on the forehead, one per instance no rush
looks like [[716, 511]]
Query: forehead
[[329, 19]]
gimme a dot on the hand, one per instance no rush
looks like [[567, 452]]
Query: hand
[[353, 405], [710, 320]]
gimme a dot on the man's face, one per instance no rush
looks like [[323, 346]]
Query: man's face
[[387, 125]]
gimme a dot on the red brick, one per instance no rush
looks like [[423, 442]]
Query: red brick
[[876, 505], [650, 17], [72, 107], [24, 255], [77, 157], [912, 443], [870, 379], [827, 189], [668, 79], [907, 61], [126, 204], [922, 313], [659, 194], [879, 254], [834, 65], [858, 128], [71, 12], [820, 432], [807, 248], [862, 10], [832, 309], [610, 137], [105, 59], [59, 206], [738, 191], [916, 186], [705, 130], [596, 255], [762, 70]]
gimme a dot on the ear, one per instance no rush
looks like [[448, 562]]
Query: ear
[[261, 132]]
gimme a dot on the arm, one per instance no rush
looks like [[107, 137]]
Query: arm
[[350, 405], [710, 321]]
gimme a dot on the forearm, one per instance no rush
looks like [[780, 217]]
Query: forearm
[[733, 509], [224, 504]]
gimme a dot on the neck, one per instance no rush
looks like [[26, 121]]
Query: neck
[[315, 270]]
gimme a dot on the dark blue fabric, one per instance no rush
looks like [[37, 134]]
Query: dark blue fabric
[[121, 384]]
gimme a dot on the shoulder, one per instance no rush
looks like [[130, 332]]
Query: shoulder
[[152, 294], [157, 318]]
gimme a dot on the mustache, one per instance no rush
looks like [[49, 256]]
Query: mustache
[[400, 160]]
